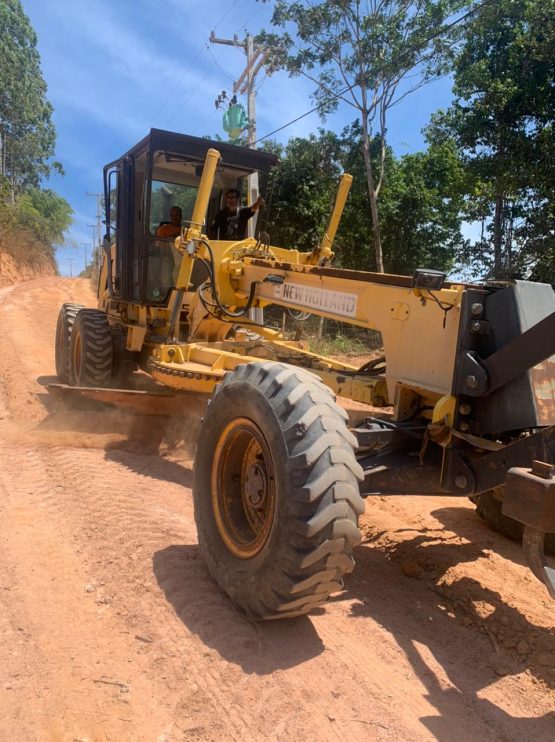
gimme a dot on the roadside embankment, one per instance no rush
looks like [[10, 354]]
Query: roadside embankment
[[15, 267]]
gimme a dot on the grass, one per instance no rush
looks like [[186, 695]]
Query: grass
[[338, 345]]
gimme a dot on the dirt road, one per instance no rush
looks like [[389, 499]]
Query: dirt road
[[112, 629]]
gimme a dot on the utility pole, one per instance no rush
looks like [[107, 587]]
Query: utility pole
[[245, 83], [96, 253], [84, 245], [99, 197], [70, 261]]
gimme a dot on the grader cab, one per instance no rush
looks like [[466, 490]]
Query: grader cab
[[280, 472]]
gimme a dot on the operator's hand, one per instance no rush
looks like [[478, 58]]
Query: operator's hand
[[258, 204]]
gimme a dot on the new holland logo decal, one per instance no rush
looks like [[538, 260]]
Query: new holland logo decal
[[334, 302]]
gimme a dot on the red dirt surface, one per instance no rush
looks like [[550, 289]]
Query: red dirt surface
[[112, 629]]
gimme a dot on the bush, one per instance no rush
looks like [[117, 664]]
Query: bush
[[31, 227]]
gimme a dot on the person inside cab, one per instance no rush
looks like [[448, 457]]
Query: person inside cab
[[173, 227], [231, 222]]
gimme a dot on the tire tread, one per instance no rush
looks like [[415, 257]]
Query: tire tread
[[325, 499]]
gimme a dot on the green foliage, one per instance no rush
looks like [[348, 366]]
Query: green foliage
[[27, 135], [32, 220], [421, 210], [301, 190], [337, 345], [421, 202], [366, 55], [44, 213], [33, 226], [503, 125]]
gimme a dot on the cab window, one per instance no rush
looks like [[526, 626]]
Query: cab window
[[163, 196]]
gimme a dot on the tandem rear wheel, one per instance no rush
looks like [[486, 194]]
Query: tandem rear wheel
[[64, 327], [276, 490], [89, 352]]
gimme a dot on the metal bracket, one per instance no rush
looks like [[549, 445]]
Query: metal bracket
[[530, 498], [474, 380], [477, 377], [532, 545], [488, 469]]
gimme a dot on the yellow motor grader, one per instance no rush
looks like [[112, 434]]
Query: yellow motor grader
[[280, 471]]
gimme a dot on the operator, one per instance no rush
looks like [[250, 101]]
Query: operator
[[173, 228], [231, 223]]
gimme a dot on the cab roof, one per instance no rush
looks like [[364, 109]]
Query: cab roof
[[197, 147]]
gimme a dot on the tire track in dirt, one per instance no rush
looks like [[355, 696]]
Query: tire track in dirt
[[120, 523], [81, 687], [125, 525], [140, 527]]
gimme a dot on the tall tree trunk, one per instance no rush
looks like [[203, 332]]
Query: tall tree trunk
[[509, 245], [498, 216], [498, 235], [12, 182], [376, 238]]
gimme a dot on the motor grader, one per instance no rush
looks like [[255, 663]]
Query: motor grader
[[280, 469]]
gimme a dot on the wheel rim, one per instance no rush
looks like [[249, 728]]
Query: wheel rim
[[243, 488], [77, 355], [60, 345]]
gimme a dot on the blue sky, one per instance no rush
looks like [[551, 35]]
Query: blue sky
[[114, 69]]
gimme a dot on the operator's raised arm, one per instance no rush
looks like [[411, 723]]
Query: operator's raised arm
[[231, 222]]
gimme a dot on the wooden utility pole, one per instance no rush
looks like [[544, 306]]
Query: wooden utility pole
[[84, 245], [70, 261], [96, 253], [98, 227], [245, 83]]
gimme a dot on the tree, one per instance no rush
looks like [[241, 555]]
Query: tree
[[301, 189], [421, 201], [27, 135], [368, 55], [503, 124], [420, 208], [46, 214]]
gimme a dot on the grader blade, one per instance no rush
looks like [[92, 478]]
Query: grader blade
[[135, 401]]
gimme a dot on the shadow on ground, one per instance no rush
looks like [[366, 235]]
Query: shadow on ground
[[259, 648], [414, 589]]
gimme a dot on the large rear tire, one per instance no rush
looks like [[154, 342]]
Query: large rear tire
[[66, 319], [275, 490], [91, 350], [488, 507]]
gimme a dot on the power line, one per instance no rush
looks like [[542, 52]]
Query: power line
[[224, 73], [261, 83], [197, 55], [245, 24], [215, 61], [193, 91], [423, 45]]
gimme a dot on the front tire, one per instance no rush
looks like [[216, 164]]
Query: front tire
[[91, 350], [275, 490], [64, 327]]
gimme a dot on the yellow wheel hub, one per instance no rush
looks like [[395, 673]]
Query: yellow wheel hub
[[243, 488]]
